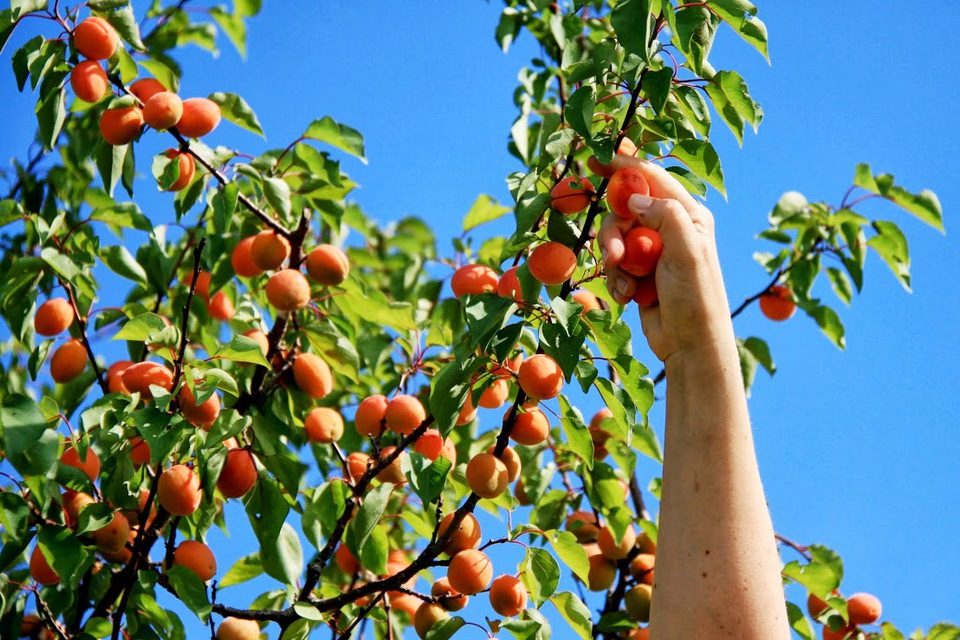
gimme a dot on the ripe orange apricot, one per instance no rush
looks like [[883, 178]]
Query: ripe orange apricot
[[393, 472], [508, 596], [201, 415], [530, 427], [163, 110], [68, 361], [864, 608], [487, 475], [552, 263], [583, 525], [540, 377], [268, 250], [521, 494], [508, 286], [428, 615], [146, 88], [449, 598], [625, 148], [90, 464], [495, 395], [312, 375], [430, 444], [241, 259], [571, 195], [404, 413], [238, 475], [587, 300], [642, 249], [777, 303], [449, 451], [124, 554], [89, 81], [602, 572], [465, 536], [139, 451], [200, 117], [221, 307], [370, 416], [95, 39], [615, 549], [640, 633], [400, 602], [843, 633], [30, 626], [328, 264], [115, 376], [53, 317], [645, 294], [187, 167], [238, 629], [357, 464], [816, 606], [324, 425], [73, 503], [510, 460], [113, 536], [197, 557], [467, 412], [598, 434], [646, 544], [637, 601], [623, 184], [642, 566], [121, 125], [346, 561], [138, 378], [261, 339], [179, 490], [288, 290], [473, 279], [40, 569], [470, 571]]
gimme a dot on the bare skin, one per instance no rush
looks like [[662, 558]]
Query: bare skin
[[718, 572]]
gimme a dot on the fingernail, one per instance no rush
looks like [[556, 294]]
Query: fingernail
[[622, 286], [639, 203]]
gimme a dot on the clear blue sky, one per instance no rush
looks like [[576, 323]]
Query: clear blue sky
[[858, 449]]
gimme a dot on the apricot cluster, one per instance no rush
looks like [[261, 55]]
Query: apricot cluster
[[862, 609]]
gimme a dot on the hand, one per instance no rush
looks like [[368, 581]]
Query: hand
[[693, 312]]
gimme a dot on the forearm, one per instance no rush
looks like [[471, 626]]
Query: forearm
[[718, 572]]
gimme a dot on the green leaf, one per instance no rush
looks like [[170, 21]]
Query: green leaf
[[190, 590], [110, 161], [374, 505], [741, 16], [830, 323], [579, 110], [282, 558], [841, 284], [30, 446], [141, 328], [540, 574], [445, 629], [119, 260], [373, 555], [821, 575], [701, 158], [575, 612], [484, 209], [242, 349], [571, 552], [799, 622], [63, 551], [246, 568], [167, 76], [126, 214], [657, 85], [633, 22], [428, 477], [51, 114], [62, 264], [278, 195], [370, 305], [236, 110], [924, 205], [337, 135], [891, 245], [126, 25], [578, 436], [232, 25]]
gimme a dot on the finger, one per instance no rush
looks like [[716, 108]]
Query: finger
[[611, 242], [667, 216], [662, 183], [620, 284]]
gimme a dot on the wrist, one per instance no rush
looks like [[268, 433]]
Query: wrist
[[715, 354]]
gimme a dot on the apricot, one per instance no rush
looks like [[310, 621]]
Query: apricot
[[370, 416], [487, 475], [90, 464], [587, 300], [429, 444], [843, 633], [642, 249], [508, 286], [89, 81], [238, 475], [571, 195], [260, 338], [221, 307], [615, 549], [465, 536], [864, 608], [40, 569], [601, 574], [68, 361], [327, 264], [449, 451], [402, 602], [637, 601], [201, 415], [323, 425], [162, 110], [645, 295], [521, 494], [815, 606], [583, 525], [646, 544], [186, 166], [393, 472], [146, 88], [623, 184], [200, 117], [115, 376], [139, 377], [197, 557], [312, 375], [238, 629], [777, 303], [530, 428], [288, 290], [124, 554], [540, 377], [95, 38], [179, 490], [346, 561], [470, 571], [241, 259], [641, 567], [73, 503], [202, 287], [29, 625], [473, 279], [121, 125], [495, 395], [53, 317], [449, 598], [133, 515], [640, 633], [113, 536], [404, 413], [508, 596], [510, 460], [467, 412], [268, 250], [427, 616], [552, 263], [357, 464], [625, 148]]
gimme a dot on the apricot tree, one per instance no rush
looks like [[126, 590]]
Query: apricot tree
[[264, 350]]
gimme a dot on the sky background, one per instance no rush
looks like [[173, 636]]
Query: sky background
[[858, 449]]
